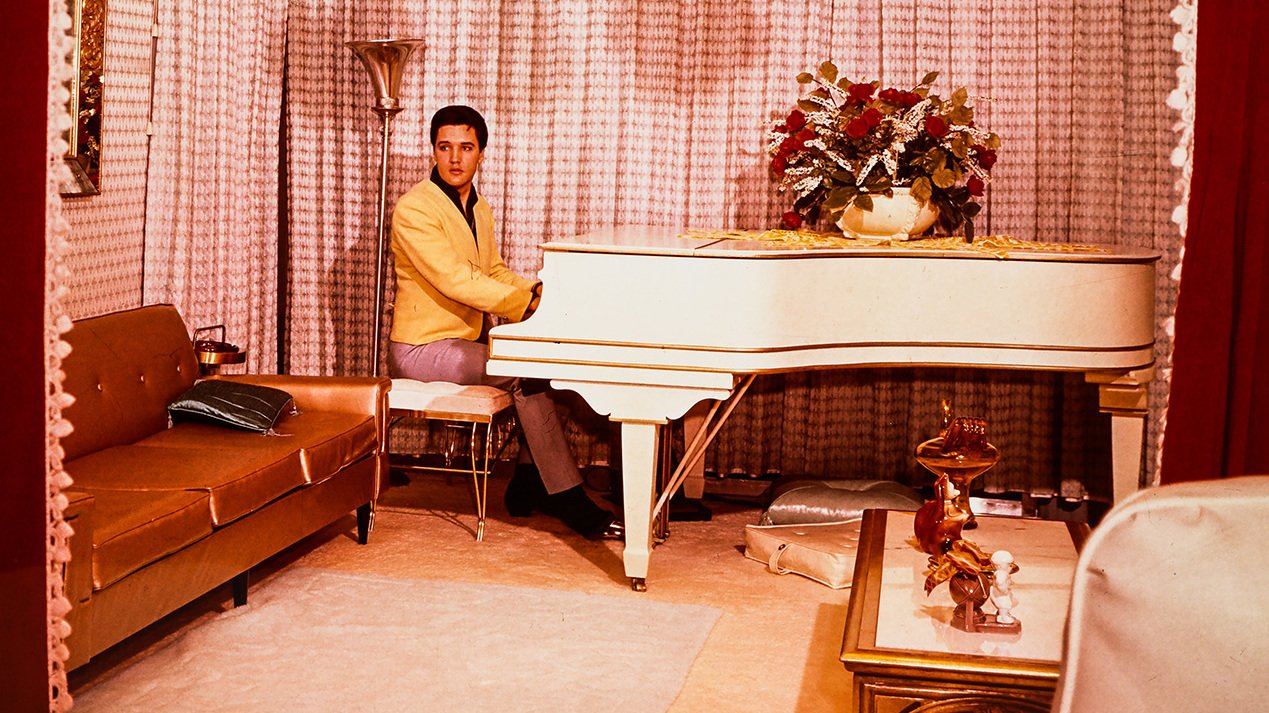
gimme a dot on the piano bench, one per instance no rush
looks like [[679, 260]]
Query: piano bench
[[468, 407]]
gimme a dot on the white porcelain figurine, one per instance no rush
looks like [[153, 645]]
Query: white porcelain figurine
[[1002, 586]]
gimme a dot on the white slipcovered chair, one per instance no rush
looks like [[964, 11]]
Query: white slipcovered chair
[[1170, 604], [468, 407]]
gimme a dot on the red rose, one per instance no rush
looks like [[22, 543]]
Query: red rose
[[791, 220], [892, 95], [911, 99], [805, 135], [796, 120], [778, 164], [857, 128], [975, 186], [872, 116], [861, 92], [780, 129], [986, 157], [789, 145], [936, 126]]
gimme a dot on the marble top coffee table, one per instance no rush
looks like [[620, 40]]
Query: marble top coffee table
[[900, 645]]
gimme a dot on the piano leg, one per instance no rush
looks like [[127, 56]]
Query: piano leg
[[1124, 397], [638, 468]]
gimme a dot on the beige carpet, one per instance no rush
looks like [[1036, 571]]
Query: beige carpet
[[314, 640], [774, 647]]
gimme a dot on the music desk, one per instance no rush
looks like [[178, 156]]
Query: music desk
[[900, 646]]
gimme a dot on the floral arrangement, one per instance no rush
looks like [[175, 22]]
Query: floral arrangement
[[846, 142]]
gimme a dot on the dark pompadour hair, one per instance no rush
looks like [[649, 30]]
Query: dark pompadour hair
[[459, 115]]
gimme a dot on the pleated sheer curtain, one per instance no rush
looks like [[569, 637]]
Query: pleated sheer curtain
[[604, 113], [211, 236]]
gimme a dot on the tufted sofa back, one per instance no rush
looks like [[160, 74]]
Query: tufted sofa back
[[123, 370]]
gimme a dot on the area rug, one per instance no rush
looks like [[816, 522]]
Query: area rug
[[313, 639]]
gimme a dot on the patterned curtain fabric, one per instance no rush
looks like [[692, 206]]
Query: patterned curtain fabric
[[211, 235], [652, 112]]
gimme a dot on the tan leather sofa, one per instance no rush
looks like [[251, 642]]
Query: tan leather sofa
[[165, 514]]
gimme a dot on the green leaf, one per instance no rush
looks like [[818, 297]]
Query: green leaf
[[805, 78], [839, 198], [993, 142], [844, 84], [828, 71], [969, 230], [878, 182], [934, 159], [960, 115], [929, 78], [921, 190], [961, 144], [971, 209], [863, 201], [959, 97], [808, 200], [945, 177], [808, 106]]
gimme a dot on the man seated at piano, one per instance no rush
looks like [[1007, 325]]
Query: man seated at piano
[[451, 282]]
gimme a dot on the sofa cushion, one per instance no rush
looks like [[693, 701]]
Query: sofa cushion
[[124, 369], [134, 528], [238, 480], [326, 441], [330, 440]]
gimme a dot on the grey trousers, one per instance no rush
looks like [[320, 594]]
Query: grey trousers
[[462, 362]]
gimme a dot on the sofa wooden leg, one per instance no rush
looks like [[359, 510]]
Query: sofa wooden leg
[[363, 524], [240, 588]]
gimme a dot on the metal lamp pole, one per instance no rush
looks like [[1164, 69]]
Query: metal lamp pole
[[385, 62]]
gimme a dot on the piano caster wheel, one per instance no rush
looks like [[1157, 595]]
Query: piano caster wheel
[[638, 584]]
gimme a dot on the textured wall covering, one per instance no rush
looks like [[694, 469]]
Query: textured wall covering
[[650, 112], [107, 231]]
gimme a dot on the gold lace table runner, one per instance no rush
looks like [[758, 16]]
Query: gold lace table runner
[[998, 245]]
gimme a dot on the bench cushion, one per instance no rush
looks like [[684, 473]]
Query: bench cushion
[[797, 499], [445, 398]]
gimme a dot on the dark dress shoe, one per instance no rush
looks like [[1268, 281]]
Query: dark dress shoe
[[575, 508], [526, 493]]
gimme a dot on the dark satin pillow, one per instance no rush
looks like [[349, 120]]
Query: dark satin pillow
[[231, 403]]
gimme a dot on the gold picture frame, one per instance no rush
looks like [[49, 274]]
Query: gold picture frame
[[83, 155]]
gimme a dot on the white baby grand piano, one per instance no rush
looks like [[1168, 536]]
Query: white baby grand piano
[[644, 323]]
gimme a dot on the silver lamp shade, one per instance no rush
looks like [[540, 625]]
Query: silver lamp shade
[[385, 61]]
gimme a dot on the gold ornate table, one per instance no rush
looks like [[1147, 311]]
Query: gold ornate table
[[900, 646]]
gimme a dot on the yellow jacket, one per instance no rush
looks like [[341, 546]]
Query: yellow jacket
[[446, 281]]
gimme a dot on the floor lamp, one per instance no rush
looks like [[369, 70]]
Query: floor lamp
[[385, 61]]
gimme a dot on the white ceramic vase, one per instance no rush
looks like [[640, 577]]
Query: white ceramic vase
[[897, 218]]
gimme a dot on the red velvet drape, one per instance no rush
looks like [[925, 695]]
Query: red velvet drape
[[1217, 422]]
